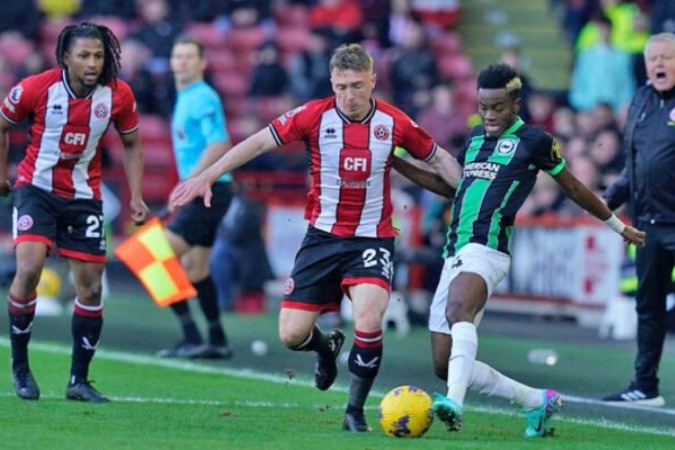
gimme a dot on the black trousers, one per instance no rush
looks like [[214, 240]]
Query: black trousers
[[654, 264]]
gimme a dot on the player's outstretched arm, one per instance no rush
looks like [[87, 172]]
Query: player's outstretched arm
[[585, 198], [200, 186], [427, 179], [446, 166], [212, 153]]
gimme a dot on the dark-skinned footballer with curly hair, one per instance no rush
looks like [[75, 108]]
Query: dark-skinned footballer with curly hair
[[57, 191]]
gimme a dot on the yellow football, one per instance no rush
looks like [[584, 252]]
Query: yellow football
[[406, 412]]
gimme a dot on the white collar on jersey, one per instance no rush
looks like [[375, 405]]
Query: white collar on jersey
[[71, 93], [371, 113]]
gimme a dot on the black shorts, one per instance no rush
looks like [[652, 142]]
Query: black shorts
[[196, 223], [327, 264], [75, 226]]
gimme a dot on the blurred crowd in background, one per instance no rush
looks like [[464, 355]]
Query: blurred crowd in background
[[265, 56]]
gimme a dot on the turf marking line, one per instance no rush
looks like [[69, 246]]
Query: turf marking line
[[147, 360], [174, 401]]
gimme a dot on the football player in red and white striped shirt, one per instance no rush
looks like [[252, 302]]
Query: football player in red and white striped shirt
[[57, 194], [349, 246]]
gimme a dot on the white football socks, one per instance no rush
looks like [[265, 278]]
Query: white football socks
[[465, 372], [487, 380], [462, 359]]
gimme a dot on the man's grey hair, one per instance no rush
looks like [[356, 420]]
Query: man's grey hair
[[660, 37]]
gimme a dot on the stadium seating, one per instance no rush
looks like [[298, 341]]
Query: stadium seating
[[294, 16], [292, 40], [230, 51], [455, 66], [231, 83], [207, 33], [154, 130], [246, 39], [15, 48], [268, 108], [448, 43], [221, 60]]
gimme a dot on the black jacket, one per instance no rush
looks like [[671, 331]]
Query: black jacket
[[647, 182]]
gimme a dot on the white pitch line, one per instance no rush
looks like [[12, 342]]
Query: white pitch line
[[147, 360], [592, 401], [176, 401], [176, 364]]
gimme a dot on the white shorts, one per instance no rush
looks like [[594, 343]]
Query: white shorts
[[490, 264]]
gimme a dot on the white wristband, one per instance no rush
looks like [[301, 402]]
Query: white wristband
[[615, 224]]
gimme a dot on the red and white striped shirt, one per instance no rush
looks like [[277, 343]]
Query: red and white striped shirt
[[64, 155], [350, 161]]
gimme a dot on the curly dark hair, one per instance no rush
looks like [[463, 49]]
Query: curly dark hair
[[500, 76], [111, 47]]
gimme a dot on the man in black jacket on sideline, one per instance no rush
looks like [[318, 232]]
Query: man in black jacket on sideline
[[648, 185]]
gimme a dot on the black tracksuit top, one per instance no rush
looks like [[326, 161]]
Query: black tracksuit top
[[648, 181]]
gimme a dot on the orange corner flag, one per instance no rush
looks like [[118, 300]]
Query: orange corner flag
[[149, 256]]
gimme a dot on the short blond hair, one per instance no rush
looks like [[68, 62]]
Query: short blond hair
[[351, 57]]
